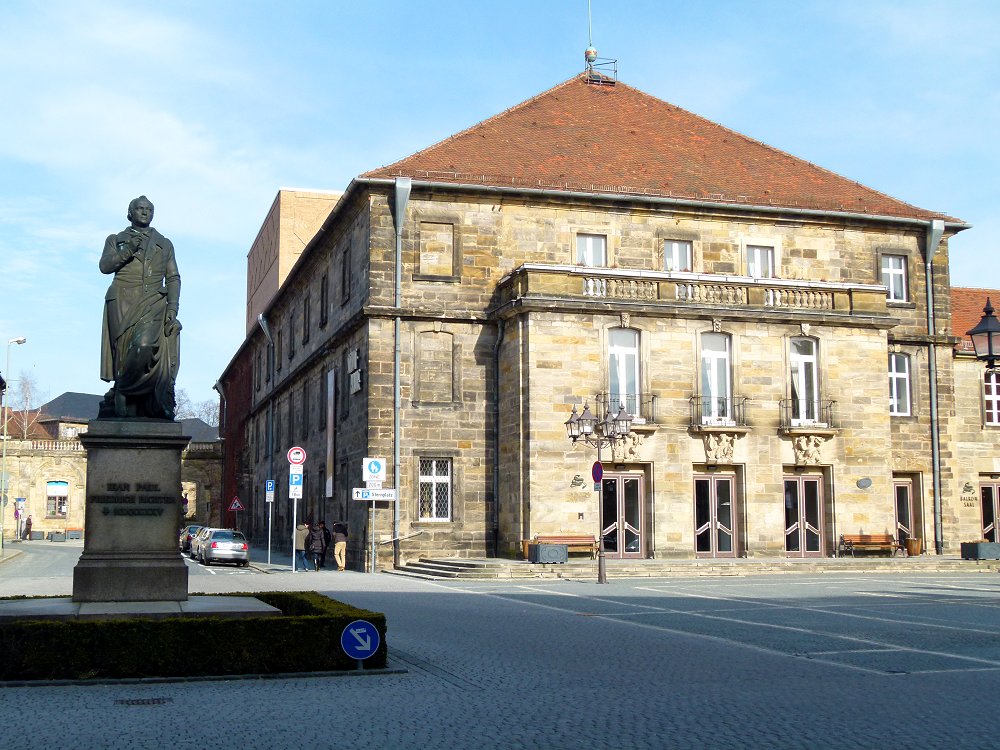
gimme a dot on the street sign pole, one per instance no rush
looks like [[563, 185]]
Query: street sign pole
[[371, 526], [295, 511], [270, 516], [296, 457]]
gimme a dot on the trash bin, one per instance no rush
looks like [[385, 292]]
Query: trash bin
[[913, 547]]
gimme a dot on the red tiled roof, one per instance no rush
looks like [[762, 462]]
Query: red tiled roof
[[967, 310], [617, 139]]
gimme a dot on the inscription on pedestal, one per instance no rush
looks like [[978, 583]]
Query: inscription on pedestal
[[125, 499]]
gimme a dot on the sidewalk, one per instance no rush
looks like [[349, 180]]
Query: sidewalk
[[281, 562], [10, 550]]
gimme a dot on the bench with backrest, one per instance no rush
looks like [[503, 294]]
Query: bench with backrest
[[868, 543], [573, 542]]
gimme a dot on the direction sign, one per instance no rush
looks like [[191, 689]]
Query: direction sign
[[297, 455], [373, 469], [361, 493], [360, 639], [269, 490], [236, 504]]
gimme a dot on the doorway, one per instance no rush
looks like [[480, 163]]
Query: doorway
[[989, 496], [715, 516], [622, 515], [804, 516], [908, 517]]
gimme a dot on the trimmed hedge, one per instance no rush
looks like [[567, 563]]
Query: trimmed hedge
[[305, 638]]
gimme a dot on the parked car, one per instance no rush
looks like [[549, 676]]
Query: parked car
[[187, 533], [196, 541], [224, 545]]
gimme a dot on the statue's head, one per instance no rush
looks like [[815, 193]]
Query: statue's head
[[144, 216]]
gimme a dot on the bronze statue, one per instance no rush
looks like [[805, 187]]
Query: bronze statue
[[140, 349]]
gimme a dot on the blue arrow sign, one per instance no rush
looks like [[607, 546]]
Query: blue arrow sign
[[360, 639]]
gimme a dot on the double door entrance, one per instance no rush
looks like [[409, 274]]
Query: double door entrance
[[622, 515], [804, 516]]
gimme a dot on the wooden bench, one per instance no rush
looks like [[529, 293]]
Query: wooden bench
[[868, 543], [573, 542]]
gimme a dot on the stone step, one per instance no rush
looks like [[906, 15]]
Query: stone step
[[486, 569]]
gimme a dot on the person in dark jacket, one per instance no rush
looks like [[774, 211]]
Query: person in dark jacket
[[326, 542], [27, 529], [314, 545]]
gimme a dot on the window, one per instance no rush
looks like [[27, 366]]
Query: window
[[291, 333], [592, 249], [277, 350], [268, 358], [894, 277], [325, 386], [345, 276], [677, 255], [899, 385], [291, 419], [305, 406], [716, 383], [804, 381], [57, 499], [324, 299], [435, 375], [760, 261], [991, 399], [306, 318], [623, 370], [435, 489], [256, 371]]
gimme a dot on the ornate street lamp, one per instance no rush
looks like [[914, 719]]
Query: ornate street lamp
[[599, 433], [4, 482], [986, 337]]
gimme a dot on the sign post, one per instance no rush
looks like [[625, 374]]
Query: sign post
[[360, 640], [296, 457], [269, 495], [373, 474]]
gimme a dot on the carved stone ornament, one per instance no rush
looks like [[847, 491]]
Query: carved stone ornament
[[805, 328], [626, 318], [719, 447], [807, 449], [626, 449], [716, 325]]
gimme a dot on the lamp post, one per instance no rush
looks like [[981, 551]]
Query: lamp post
[[3, 466], [986, 338], [599, 433]]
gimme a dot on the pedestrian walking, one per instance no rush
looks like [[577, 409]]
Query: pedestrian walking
[[340, 544], [301, 535], [326, 542], [27, 529], [314, 545]]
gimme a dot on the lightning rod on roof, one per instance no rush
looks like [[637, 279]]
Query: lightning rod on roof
[[601, 71]]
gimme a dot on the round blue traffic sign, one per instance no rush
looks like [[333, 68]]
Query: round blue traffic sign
[[360, 639], [597, 471]]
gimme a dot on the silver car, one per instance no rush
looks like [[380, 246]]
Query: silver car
[[196, 541], [224, 545]]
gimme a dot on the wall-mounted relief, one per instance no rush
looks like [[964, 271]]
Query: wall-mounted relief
[[807, 449], [719, 447]]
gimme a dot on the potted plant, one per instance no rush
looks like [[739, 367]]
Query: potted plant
[[980, 550]]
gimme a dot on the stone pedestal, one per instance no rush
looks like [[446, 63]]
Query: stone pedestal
[[133, 513]]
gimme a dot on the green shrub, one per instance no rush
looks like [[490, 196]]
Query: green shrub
[[304, 638]]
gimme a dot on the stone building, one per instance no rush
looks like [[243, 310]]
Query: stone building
[[48, 468], [780, 335]]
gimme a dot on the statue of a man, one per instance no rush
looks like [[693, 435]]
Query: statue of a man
[[140, 349]]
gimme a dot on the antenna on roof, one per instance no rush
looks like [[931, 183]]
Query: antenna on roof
[[598, 68]]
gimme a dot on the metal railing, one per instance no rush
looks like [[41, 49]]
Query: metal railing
[[709, 411], [797, 412], [642, 406]]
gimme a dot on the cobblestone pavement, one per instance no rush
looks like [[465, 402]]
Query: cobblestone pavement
[[775, 661]]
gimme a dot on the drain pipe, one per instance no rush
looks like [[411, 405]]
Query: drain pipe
[[496, 438], [401, 195], [262, 322], [935, 230]]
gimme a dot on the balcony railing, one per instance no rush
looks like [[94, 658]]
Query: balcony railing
[[692, 290], [642, 406], [718, 411], [803, 414]]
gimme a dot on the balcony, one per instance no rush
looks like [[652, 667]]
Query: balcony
[[804, 416], [642, 406], [711, 413], [694, 291]]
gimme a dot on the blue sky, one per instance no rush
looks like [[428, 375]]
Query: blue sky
[[210, 107]]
